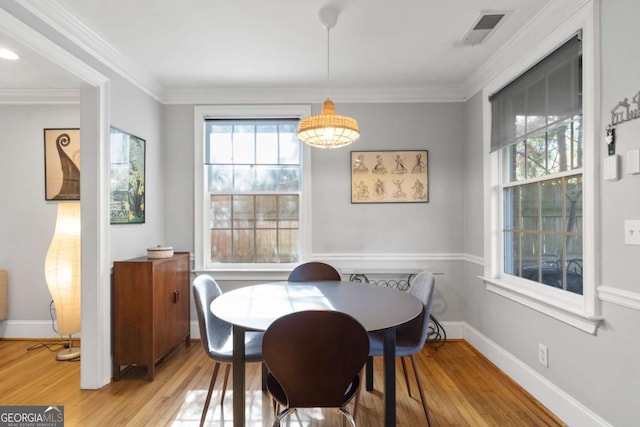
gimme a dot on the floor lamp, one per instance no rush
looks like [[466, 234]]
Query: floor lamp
[[62, 273]]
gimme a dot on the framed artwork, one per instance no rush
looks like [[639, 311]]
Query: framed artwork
[[390, 176], [62, 164], [127, 176]]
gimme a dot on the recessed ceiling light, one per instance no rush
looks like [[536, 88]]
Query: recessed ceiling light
[[8, 54]]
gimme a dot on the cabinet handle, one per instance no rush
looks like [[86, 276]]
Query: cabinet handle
[[176, 297]]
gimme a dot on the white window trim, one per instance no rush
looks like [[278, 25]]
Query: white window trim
[[580, 311], [200, 226]]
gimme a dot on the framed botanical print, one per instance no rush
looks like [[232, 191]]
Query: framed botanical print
[[127, 177], [390, 176], [62, 164]]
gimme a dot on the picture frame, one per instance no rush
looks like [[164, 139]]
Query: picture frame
[[127, 177], [62, 164], [400, 176]]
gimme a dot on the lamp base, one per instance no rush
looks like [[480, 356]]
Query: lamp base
[[68, 353]]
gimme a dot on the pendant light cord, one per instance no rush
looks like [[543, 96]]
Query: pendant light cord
[[328, 60]]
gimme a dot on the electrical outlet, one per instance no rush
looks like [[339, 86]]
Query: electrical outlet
[[543, 355]]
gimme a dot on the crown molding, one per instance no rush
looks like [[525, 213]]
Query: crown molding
[[546, 20], [26, 35], [39, 96], [204, 95], [54, 14], [63, 21]]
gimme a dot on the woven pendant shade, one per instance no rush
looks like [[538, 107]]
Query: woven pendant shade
[[328, 130]]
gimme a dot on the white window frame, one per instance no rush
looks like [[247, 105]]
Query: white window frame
[[246, 271], [580, 311]]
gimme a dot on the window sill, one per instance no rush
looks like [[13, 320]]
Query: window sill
[[246, 274], [553, 303]]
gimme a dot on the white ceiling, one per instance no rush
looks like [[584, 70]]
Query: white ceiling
[[259, 44]]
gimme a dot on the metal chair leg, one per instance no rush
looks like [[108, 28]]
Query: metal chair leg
[[420, 388], [226, 381], [214, 375], [406, 375]]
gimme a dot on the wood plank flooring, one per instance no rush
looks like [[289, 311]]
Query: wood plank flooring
[[463, 389]]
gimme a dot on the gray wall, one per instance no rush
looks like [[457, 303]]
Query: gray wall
[[27, 220], [601, 372], [337, 225], [137, 113]]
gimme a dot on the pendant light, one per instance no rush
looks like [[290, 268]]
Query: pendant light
[[328, 130]]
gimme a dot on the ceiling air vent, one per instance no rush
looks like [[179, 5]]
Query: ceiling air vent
[[482, 27]]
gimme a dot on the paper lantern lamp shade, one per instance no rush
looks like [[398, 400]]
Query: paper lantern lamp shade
[[62, 268]]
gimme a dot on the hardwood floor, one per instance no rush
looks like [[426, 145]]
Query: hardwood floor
[[462, 387]]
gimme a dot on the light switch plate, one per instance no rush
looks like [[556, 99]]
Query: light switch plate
[[632, 232], [633, 161], [610, 170]]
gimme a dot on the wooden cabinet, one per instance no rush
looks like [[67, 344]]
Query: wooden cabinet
[[151, 310]]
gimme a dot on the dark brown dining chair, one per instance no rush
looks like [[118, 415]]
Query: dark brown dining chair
[[314, 359], [411, 337], [314, 271], [216, 336]]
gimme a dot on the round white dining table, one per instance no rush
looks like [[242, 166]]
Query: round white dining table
[[256, 307]]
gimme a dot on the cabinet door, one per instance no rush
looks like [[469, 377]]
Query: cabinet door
[[132, 313], [165, 307], [183, 282]]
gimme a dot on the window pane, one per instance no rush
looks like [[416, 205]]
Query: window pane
[[219, 178], [512, 215], [243, 213], [221, 248], [551, 210], [530, 205], [576, 142], [536, 163], [243, 246], [518, 157], [529, 252], [288, 245], [574, 264], [220, 214], [573, 196], [289, 179], [244, 144], [266, 212], [288, 207], [267, 144], [267, 246], [511, 253], [289, 145], [220, 146], [244, 178]]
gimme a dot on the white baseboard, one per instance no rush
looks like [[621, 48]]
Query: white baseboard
[[29, 329], [556, 400]]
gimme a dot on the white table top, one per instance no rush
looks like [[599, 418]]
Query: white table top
[[256, 307]]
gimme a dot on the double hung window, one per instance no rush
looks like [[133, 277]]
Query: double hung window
[[254, 183], [250, 207], [537, 129]]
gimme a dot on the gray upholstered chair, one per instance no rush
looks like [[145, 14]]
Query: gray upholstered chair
[[314, 271], [314, 359], [411, 337], [216, 336]]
